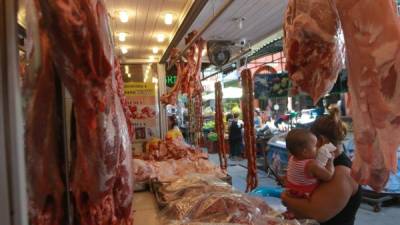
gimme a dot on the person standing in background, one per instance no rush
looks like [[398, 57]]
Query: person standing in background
[[235, 137], [173, 130], [257, 119]]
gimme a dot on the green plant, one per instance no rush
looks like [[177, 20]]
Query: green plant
[[212, 136], [209, 125]]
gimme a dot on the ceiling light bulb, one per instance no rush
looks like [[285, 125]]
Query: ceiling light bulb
[[204, 52], [123, 16], [124, 50], [168, 18], [155, 50], [122, 36], [129, 75], [160, 37]]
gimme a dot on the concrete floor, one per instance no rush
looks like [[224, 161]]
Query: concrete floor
[[389, 215]]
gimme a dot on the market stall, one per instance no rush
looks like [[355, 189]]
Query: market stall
[[109, 120]]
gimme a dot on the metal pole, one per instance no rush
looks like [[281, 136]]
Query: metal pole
[[202, 30], [12, 120]]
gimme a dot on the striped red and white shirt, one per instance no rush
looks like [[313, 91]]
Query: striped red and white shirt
[[298, 181]]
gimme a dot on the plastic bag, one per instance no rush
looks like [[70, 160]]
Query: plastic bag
[[218, 207], [193, 185]]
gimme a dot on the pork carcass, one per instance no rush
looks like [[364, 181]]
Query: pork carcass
[[372, 36], [312, 47], [43, 153], [82, 52]]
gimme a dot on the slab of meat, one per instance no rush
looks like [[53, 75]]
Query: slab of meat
[[44, 167], [160, 150], [249, 130], [143, 170], [190, 185], [219, 125], [79, 38], [312, 48], [372, 36], [218, 207]]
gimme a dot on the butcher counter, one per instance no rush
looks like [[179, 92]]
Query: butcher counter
[[145, 209]]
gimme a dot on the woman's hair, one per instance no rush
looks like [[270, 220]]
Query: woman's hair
[[174, 120], [330, 126], [236, 115]]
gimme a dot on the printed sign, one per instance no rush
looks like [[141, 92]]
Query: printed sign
[[141, 99], [271, 85]]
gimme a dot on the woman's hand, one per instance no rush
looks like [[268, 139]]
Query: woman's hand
[[284, 197]]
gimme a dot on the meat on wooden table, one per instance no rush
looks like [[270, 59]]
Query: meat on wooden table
[[312, 47], [79, 37], [372, 36]]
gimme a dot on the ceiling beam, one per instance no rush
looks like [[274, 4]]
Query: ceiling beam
[[190, 17]]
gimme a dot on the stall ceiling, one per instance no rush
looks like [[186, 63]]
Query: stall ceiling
[[262, 18], [145, 23]]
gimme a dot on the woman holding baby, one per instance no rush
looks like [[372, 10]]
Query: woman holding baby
[[335, 199]]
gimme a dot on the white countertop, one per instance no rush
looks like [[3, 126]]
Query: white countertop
[[145, 209]]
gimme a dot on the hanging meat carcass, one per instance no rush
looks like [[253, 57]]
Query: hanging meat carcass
[[79, 39], [122, 97], [188, 73], [181, 81], [372, 36], [312, 47], [219, 125], [44, 168], [249, 131]]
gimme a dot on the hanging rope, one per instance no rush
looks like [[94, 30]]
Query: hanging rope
[[249, 131], [219, 126]]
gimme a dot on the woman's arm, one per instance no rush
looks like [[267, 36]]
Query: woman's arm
[[321, 173], [326, 201]]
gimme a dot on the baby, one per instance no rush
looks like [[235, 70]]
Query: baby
[[304, 170]]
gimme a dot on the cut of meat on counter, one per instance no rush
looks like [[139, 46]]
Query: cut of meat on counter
[[218, 207], [193, 184], [312, 48], [372, 36], [160, 150], [171, 169], [78, 45]]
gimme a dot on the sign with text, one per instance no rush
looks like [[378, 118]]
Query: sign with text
[[141, 99]]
